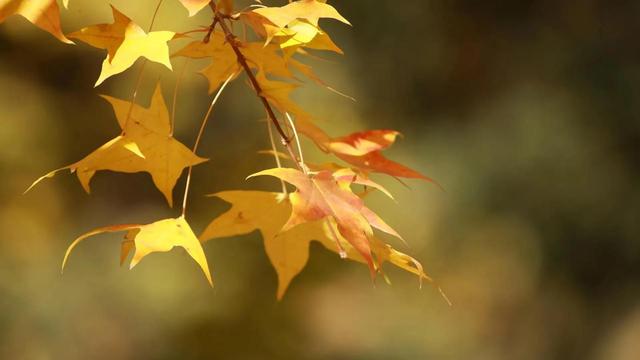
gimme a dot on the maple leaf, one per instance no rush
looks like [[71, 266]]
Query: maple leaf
[[298, 19], [146, 144], [302, 34], [45, 14], [224, 62], [194, 6], [361, 149], [324, 195], [277, 93], [308, 10], [125, 42], [288, 250], [160, 236]]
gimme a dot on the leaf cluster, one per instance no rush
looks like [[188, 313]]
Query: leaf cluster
[[318, 202]]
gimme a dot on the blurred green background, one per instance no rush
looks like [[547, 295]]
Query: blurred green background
[[525, 111]]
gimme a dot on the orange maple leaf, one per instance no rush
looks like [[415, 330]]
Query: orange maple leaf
[[361, 149], [326, 194]]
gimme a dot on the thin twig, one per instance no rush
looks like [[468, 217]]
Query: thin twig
[[175, 95], [275, 155], [295, 135], [199, 137], [155, 14]]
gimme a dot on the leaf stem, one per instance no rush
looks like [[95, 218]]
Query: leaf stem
[[175, 95], [275, 155], [199, 137], [155, 14], [295, 135]]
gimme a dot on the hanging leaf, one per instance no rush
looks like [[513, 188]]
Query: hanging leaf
[[125, 43], [160, 236], [288, 250], [361, 149], [146, 144], [298, 19], [322, 195], [194, 6], [224, 63], [44, 14]]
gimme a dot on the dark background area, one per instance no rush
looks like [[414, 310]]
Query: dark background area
[[527, 112]]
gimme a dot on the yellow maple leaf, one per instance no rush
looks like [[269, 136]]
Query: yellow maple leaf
[[45, 14], [297, 20], [309, 10], [125, 42], [278, 94], [300, 34], [145, 144], [224, 63], [160, 236], [194, 6], [288, 250]]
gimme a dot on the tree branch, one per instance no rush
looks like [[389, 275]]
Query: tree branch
[[242, 60]]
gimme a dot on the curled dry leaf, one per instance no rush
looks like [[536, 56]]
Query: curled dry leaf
[[44, 14], [288, 250], [145, 144], [361, 149], [160, 236], [125, 43]]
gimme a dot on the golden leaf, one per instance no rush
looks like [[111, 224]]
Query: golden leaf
[[145, 144], [288, 250], [125, 42], [297, 20], [45, 14], [224, 63], [193, 6], [160, 236]]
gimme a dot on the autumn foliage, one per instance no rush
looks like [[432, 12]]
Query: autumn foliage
[[318, 202]]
